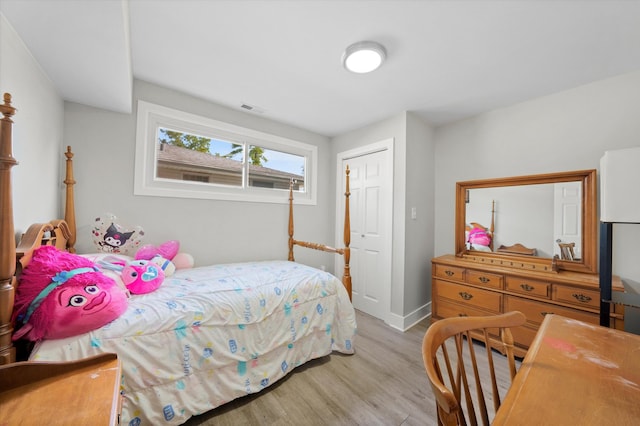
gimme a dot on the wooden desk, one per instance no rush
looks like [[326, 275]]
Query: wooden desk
[[67, 393], [576, 374]]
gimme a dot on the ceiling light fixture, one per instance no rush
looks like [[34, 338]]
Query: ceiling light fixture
[[364, 56]]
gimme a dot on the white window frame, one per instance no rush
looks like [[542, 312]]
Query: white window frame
[[151, 117]]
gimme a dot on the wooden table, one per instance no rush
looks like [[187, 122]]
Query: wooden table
[[576, 374], [84, 392]]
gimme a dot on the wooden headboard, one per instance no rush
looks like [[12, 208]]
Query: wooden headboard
[[59, 232]]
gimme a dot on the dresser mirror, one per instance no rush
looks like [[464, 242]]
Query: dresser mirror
[[548, 219]]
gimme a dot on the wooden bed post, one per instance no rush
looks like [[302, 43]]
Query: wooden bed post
[[61, 233], [346, 251], [492, 226], [346, 276], [70, 209], [291, 240], [7, 237]]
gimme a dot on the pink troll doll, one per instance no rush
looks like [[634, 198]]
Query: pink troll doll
[[62, 294]]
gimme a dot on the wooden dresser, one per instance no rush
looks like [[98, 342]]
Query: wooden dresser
[[462, 287]]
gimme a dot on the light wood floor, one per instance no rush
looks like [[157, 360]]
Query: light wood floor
[[383, 383]]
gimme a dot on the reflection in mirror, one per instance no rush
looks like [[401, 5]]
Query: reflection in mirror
[[542, 217], [539, 217]]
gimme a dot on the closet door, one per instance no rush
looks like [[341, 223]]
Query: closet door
[[371, 210]]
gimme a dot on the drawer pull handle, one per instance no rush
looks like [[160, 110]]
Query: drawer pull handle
[[527, 287], [449, 273], [484, 280], [544, 314], [465, 295], [462, 315], [581, 297]]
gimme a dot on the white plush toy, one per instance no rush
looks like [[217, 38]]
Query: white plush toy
[[165, 264]]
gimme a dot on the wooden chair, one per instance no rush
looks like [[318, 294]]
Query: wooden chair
[[566, 250], [439, 341]]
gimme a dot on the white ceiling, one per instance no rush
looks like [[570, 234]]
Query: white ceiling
[[446, 60]]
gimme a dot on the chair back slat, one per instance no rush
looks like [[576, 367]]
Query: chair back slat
[[464, 379], [482, 406], [494, 382]]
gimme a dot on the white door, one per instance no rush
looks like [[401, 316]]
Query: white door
[[371, 212], [567, 220]]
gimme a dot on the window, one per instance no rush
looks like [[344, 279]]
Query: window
[[184, 155]]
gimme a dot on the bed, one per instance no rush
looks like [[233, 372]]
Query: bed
[[208, 335]]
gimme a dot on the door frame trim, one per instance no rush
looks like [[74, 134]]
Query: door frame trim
[[383, 145]]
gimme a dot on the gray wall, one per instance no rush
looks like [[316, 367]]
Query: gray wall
[[37, 133], [420, 187]]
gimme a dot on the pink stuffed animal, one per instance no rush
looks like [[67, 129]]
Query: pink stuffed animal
[[138, 276], [168, 250], [183, 261], [62, 294], [142, 276], [479, 237]]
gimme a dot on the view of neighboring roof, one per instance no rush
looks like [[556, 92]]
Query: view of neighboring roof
[[178, 155]]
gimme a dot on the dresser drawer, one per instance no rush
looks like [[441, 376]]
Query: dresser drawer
[[472, 296], [535, 311], [577, 296], [447, 309], [528, 287], [449, 272], [484, 279]]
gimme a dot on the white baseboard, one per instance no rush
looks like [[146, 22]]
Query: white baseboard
[[403, 323]]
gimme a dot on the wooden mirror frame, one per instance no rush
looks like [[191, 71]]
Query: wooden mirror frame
[[588, 262]]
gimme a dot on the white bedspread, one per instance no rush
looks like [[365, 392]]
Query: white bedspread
[[212, 334]]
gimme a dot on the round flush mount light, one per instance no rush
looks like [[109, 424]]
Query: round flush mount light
[[363, 57]]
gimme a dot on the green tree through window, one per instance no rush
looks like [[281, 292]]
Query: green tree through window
[[202, 144], [185, 140], [256, 154]]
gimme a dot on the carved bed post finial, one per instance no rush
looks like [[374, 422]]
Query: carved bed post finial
[[70, 210], [7, 237]]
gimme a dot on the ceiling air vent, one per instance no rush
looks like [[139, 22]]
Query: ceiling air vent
[[252, 108]]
